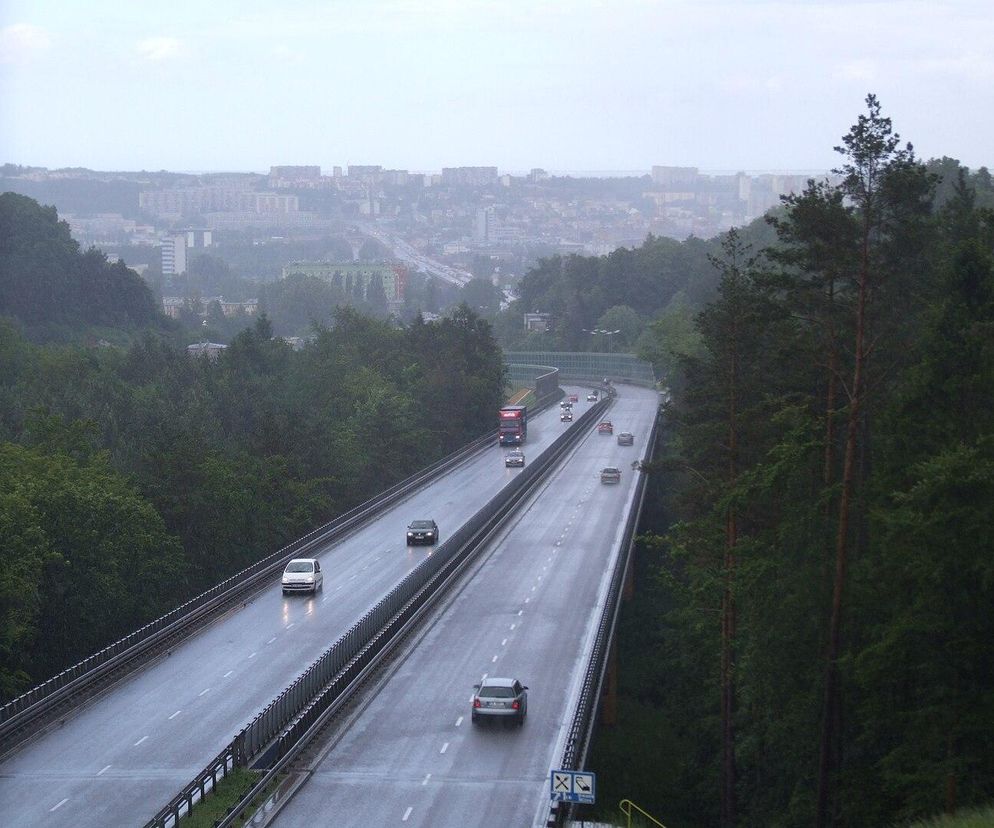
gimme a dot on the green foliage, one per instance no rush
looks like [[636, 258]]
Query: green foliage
[[213, 464], [52, 288], [87, 560], [772, 355], [578, 291]]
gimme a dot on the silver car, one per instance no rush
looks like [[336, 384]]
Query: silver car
[[626, 438], [302, 575], [500, 698], [610, 474], [515, 457]]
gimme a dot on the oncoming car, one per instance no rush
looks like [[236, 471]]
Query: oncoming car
[[422, 531], [302, 575], [515, 457], [605, 428], [626, 438], [610, 474], [500, 698]]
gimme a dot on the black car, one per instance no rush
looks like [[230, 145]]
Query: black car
[[422, 531]]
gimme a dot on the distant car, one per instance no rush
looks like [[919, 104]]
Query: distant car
[[422, 531], [500, 698], [574, 398], [626, 438], [609, 474], [302, 575], [592, 396], [605, 428], [566, 416], [515, 457], [565, 404]]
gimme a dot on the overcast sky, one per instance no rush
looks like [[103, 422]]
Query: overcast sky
[[567, 85]]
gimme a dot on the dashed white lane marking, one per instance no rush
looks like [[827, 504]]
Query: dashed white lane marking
[[175, 715], [103, 770], [503, 643], [204, 692], [353, 577], [513, 626], [485, 676], [528, 599], [142, 739], [230, 672], [292, 623], [324, 599], [253, 655], [533, 589], [425, 780], [271, 640], [445, 747], [459, 721], [521, 612], [493, 659], [338, 587], [56, 807], [407, 813]]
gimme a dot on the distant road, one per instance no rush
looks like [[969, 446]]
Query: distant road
[[414, 258]]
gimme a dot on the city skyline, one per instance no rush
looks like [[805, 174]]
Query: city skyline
[[581, 87]]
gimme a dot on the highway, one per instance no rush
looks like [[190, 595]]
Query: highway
[[414, 258], [410, 756], [126, 754]]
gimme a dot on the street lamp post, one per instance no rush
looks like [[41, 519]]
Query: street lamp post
[[608, 334]]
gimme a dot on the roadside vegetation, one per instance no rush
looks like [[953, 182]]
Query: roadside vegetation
[[134, 477], [812, 642]]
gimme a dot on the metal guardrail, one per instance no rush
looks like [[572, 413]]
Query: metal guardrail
[[23, 714], [276, 734], [585, 713]]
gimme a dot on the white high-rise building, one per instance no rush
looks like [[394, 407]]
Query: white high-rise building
[[173, 249]]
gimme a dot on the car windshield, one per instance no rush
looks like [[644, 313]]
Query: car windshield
[[497, 692], [300, 566], [421, 524], [611, 471]]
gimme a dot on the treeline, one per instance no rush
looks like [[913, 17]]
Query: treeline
[[52, 288], [133, 479], [820, 646]]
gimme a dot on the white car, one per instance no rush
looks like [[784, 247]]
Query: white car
[[303, 575]]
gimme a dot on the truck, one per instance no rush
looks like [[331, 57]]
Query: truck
[[512, 427]]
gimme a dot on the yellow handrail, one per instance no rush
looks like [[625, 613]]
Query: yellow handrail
[[627, 803]]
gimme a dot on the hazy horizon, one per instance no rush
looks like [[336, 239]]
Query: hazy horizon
[[421, 84]]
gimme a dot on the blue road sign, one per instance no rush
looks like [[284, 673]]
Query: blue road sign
[[572, 786]]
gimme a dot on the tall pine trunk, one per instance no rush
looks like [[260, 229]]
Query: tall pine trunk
[[831, 701], [729, 806]]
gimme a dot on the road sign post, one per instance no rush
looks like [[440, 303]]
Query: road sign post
[[573, 786]]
